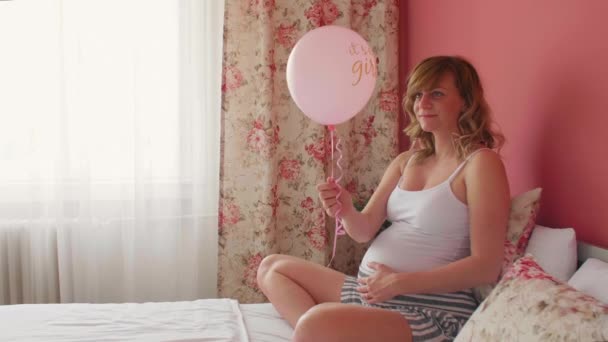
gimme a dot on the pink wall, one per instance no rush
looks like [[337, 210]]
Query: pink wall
[[544, 65]]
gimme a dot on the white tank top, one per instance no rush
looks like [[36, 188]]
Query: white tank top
[[430, 228]]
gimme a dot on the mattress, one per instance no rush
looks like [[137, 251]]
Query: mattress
[[199, 320], [264, 324]]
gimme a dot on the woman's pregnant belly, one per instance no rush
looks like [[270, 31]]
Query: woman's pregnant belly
[[406, 248]]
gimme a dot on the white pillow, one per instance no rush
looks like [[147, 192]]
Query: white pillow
[[555, 250], [592, 279]]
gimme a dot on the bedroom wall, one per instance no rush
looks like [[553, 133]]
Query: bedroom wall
[[544, 65]]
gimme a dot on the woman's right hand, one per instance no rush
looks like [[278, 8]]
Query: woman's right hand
[[328, 193]]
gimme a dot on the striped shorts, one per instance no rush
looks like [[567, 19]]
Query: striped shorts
[[433, 317]]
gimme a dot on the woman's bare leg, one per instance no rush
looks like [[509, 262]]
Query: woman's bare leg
[[335, 322], [295, 285]]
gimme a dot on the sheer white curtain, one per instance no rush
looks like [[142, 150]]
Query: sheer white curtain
[[109, 149]]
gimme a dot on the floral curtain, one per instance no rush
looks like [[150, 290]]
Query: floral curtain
[[272, 156]]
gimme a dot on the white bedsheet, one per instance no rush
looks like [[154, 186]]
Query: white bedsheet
[[200, 320], [264, 324]]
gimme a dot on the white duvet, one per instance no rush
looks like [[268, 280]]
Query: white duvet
[[199, 320]]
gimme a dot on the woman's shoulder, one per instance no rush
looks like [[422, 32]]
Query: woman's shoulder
[[483, 154], [403, 158], [483, 160]]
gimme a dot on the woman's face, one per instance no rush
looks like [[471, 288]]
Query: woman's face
[[438, 109]]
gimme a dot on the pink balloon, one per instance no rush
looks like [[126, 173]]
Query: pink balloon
[[331, 74]]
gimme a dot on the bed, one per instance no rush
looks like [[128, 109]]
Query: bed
[[199, 320]]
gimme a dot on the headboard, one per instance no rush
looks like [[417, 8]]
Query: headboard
[[586, 251]]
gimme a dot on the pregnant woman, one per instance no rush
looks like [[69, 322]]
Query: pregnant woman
[[448, 202]]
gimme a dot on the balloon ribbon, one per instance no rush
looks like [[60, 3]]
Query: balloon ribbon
[[338, 223]]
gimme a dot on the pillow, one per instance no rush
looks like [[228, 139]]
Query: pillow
[[522, 219], [555, 251], [592, 279], [530, 305]]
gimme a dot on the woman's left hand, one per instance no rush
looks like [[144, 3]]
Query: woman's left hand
[[379, 286]]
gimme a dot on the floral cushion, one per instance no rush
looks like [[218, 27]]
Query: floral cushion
[[522, 219], [530, 305]]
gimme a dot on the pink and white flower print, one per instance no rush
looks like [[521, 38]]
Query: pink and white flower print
[[286, 35], [389, 100], [289, 169], [317, 237], [261, 5], [318, 150], [232, 78], [322, 12], [251, 270], [308, 204], [272, 156], [229, 214], [530, 305], [367, 130], [262, 140], [528, 268]]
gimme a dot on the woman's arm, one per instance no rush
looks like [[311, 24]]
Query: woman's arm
[[363, 226]]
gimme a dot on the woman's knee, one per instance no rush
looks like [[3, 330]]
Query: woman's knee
[[315, 324], [344, 322], [267, 265]]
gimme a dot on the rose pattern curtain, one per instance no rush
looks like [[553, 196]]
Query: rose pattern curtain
[[272, 156]]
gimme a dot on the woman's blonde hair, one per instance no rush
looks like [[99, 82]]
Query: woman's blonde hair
[[474, 123]]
